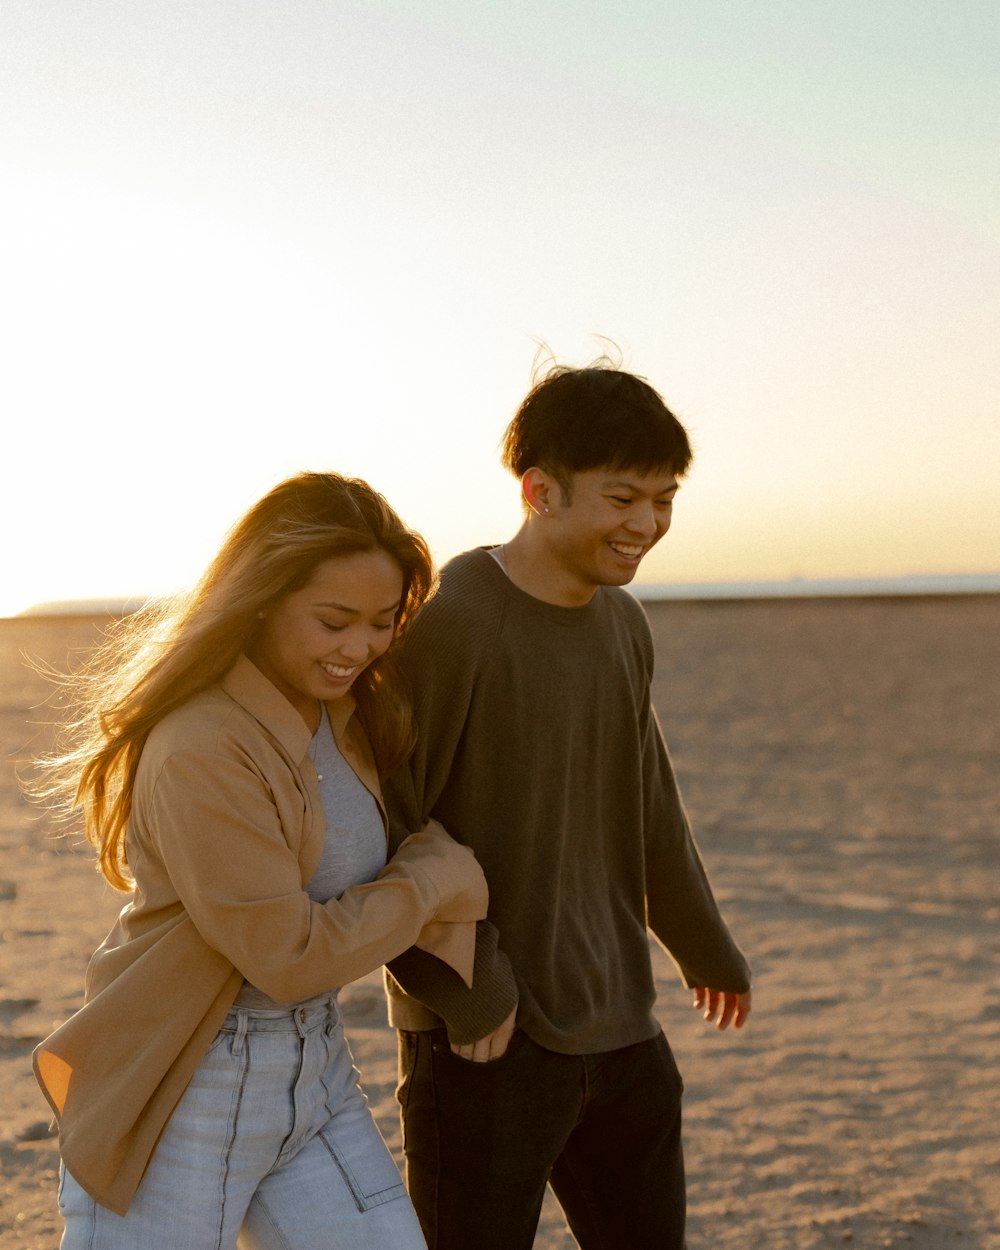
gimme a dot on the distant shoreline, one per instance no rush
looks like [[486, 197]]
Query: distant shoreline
[[917, 586], [914, 586]]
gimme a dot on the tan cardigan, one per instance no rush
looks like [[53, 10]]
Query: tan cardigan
[[226, 828]]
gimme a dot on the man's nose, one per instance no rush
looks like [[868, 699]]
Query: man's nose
[[642, 520]]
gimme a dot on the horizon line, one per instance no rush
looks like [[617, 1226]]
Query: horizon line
[[900, 585], [903, 585]]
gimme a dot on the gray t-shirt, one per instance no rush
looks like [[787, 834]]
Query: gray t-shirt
[[354, 848]]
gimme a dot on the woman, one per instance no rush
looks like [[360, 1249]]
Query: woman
[[227, 766]]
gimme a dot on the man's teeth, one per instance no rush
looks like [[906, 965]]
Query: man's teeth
[[624, 549]]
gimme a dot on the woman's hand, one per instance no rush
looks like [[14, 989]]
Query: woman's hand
[[461, 888]]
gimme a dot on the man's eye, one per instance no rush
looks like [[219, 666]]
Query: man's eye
[[621, 499]]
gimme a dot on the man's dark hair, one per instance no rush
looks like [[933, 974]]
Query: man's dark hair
[[594, 418]]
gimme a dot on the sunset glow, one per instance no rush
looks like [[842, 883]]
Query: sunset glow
[[248, 241]]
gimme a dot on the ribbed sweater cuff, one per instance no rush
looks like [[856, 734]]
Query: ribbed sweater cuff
[[426, 982]]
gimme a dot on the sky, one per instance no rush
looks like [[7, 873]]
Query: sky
[[242, 238]]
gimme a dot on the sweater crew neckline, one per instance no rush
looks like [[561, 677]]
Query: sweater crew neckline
[[555, 612]]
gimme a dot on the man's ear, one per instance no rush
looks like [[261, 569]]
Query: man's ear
[[539, 491]]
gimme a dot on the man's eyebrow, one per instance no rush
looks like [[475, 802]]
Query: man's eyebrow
[[342, 607], [621, 483]]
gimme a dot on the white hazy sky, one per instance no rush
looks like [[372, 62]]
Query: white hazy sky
[[246, 237]]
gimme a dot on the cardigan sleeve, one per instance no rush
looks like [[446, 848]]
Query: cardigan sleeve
[[211, 820]]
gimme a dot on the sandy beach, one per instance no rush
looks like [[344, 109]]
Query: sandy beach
[[839, 759]]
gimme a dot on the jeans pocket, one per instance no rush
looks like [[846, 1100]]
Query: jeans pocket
[[365, 1164], [671, 1071], [221, 1038], [516, 1043], [407, 1044]]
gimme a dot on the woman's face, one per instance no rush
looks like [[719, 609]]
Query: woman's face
[[314, 642]]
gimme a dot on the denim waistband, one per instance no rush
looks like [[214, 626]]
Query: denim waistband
[[296, 1018]]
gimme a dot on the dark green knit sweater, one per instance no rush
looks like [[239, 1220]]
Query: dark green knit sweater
[[539, 749]]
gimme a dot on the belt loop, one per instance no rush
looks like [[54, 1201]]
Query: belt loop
[[241, 1031]]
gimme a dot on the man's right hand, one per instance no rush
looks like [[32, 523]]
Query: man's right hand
[[492, 1046], [722, 1007]]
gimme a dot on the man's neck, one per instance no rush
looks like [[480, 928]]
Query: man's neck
[[531, 567]]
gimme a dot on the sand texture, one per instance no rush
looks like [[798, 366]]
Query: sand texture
[[839, 759]]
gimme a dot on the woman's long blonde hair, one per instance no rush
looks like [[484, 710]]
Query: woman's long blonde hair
[[156, 660]]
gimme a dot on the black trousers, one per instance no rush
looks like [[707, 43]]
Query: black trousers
[[482, 1140]]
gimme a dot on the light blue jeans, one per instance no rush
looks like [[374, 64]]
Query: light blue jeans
[[272, 1147]]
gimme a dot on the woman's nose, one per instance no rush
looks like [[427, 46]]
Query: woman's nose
[[354, 649]]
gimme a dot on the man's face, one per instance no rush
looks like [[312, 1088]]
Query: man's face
[[599, 536]]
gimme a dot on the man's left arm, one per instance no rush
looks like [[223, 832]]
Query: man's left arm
[[681, 908]]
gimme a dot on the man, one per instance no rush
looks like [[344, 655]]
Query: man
[[539, 748]]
